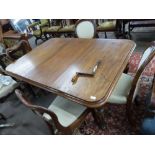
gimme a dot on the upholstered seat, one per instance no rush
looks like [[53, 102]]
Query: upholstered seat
[[69, 28], [121, 91], [66, 111], [53, 29], [107, 26], [8, 86]]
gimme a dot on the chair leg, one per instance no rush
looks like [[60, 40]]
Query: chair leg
[[98, 115], [97, 36], [2, 117], [45, 36], [36, 41], [126, 69], [105, 34], [29, 88]]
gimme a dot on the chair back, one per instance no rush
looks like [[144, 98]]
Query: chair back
[[85, 29], [146, 58], [39, 110]]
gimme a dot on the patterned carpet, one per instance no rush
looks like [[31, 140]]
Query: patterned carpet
[[115, 115]]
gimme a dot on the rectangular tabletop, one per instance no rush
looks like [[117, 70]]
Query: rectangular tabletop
[[52, 65]]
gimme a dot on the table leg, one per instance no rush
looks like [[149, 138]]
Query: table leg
[[2, 116], [98, 115]]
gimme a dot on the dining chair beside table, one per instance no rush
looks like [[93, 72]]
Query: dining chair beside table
[[84, 71]]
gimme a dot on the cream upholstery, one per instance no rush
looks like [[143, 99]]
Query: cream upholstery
[[85, 29], [145, 56], [7, 88], [121, 91], [66, 110]]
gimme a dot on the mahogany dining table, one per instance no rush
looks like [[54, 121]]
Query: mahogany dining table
[[52, 65]]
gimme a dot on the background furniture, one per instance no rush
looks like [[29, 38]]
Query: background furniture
[[139, 23], [15, 45], [60, 27], [7, 86], [53, 29], [85, 29], [68, 28], [108, 26], [66, 115], [38, 28], [6, 25]]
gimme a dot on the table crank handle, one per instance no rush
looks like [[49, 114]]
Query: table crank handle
[[95, 67]]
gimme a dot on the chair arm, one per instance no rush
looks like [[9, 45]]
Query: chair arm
[[44, 24], [33, 24], [21, 45], [37, 109], [16, 36]]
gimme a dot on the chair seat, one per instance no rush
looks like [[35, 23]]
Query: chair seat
[[7, 89], [107, 26], [66, 111], [53, 29], [121, 91], [69, 28]]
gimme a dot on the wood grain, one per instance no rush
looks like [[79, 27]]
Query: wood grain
[[52, 65]]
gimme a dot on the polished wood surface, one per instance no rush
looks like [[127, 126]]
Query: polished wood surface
[[53, 64]]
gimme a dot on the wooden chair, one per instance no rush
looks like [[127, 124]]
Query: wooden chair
[[126, 89], [66, 115], [13, 53], [38, 28], [68, 28], [85, 29], [107, 26], [52, 30], [7, 86]]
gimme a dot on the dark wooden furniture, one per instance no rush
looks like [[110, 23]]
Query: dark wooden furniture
[[51, 115], [6, 26], [68, 28], [53, 64], [15, 46], [60, 27], [108, 26], [38, 28], [13, 53], [134, 23], [55, 26]]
